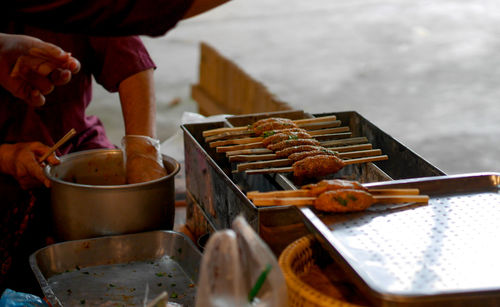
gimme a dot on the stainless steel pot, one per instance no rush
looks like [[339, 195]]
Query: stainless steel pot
[[89, 197]]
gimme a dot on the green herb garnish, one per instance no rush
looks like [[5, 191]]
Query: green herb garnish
[[111, 285], [293, 137], [268, 133], [173, 285], [341, 201], [160, 274], [352, 197], [173, 295]]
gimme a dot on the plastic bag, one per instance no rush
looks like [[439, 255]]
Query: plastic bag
[[142, 158], [12, 298], [236, 266]]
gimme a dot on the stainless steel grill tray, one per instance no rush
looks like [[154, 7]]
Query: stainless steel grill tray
[[443, 253], [114, 270]]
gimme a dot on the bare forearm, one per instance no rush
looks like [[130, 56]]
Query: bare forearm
[[200, 6], [138, 103]]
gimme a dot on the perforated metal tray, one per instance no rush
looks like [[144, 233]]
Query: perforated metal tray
[[115, 270], [443, 253]]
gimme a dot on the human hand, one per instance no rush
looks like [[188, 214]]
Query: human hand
[[143, 158], [31, 68], [21, 161]]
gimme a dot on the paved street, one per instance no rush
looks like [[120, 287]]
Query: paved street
[[426, 72]]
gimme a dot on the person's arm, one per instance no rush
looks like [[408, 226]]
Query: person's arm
[[21, 161], [201, 6], [30, 68], [137, 97], [138, 101], [107, 17]]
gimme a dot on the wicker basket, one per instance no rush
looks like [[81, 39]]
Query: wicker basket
[[297, 259]]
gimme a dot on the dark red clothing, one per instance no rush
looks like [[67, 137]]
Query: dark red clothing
[[98, 17], [109, 60]]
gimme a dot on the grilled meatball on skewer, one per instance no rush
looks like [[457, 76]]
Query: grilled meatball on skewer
[[283, 136], [317, 166], [261, 126], [343, 201], [304, 154], [290, 143], [285, 153], [315, 189]]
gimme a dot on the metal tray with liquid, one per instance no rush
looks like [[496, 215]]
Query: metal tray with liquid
[[444, 253], [116, 270]]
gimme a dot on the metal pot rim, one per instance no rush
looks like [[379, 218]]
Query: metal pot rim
[[75, 155]]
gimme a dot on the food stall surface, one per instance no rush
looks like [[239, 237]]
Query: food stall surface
[[432, 254]]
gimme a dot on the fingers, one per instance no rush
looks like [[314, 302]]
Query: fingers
[[29, 172], [40, 66], [60, 77], [37, 77], [58, 57], [22, 90]]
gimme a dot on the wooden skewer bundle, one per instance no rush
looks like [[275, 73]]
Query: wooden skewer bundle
[[291, 169], [321, 133], [266, 154], [275, 159], [304, 201], [340, 196], [315, 122], [286, 162]]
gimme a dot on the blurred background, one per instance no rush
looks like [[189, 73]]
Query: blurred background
[[425, 72]]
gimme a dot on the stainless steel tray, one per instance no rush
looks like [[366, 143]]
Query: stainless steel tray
[[114, 270], [443, 253]]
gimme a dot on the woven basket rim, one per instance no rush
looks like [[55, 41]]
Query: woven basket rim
[[295, 284]]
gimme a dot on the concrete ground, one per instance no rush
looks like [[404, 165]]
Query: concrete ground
[[426, 72]]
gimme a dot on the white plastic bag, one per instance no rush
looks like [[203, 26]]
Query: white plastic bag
[[233, 262]]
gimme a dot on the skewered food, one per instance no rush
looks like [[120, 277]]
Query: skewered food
[[316, 123], [273, 123], [304, 154], [283, 136], [286, 130], [315, 189], [349, 200], [290, 143], [317, 166], [285, 153], [337, 196]]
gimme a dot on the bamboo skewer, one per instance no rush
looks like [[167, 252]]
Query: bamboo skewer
[[306, 193], [342, 154], [299, 122], [285, 162], [344, 140], [305, 201], [249, 131], [238, 141], [272, 155], [290, 169], [63, 140]]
